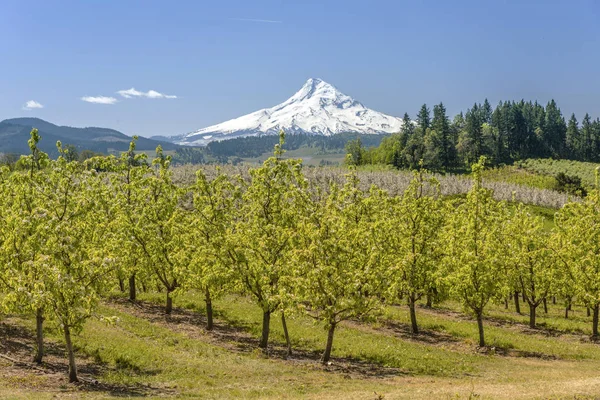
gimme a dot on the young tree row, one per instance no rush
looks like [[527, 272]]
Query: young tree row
[[72, 230]]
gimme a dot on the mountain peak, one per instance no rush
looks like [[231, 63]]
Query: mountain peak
[[317, 108], [313, 83], [320, 90]]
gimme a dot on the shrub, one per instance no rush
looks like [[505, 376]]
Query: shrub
[[569, 184]]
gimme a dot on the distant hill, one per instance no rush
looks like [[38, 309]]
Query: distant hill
[[14, 134]]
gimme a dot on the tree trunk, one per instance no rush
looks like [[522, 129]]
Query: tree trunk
[[480, 327], [595, 324], [566, 312], [414, 328], [169, 307], [71, 356], [587, 311], [553, 299], [523, 296], [39, 328], [121, 285], [327, 353], [286, 334], [264, 340], [570, 302], [517, 305], [506, 303], [132, 291], [532, 316], [429, 302], [209, 311], [545, 306], [144, 287]]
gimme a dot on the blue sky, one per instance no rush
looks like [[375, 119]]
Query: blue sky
[[220, 63]]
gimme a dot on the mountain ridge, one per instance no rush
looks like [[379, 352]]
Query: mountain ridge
[[14, 133]]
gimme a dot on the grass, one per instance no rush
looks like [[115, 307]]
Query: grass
[[549, 167], [350, 342], [519, 176], [146, 354]]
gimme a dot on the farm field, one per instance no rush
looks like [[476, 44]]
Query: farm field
[[289, 281]]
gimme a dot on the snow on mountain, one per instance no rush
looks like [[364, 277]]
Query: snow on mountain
[[317, 108]]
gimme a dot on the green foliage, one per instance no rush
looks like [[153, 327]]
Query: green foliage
[[408, 230], [513, 131], [356, 152], [569, 184], [474, 266], [331, 248], [339, 274], [550, 167], [213, 218], [579, 239], [262, 240], [531, 261], [520, 176]]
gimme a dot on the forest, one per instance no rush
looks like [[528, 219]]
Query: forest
[[510, 132], [292, 242]]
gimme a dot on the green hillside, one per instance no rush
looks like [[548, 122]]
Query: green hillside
[[14, 134]]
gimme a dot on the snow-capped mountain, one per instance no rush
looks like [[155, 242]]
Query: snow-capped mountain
[[317, 108]]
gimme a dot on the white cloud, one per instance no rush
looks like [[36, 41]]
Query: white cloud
[[150, 94], [267, 21], [129, 93], [99, 99], [31, 104]]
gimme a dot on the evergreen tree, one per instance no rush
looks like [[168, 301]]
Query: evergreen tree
[[441, 126], [424, 118], [471, 145], [555, 130], [500, 151], [408, 127], [486, 112], [573, 139], [596, 139], [587, 139]]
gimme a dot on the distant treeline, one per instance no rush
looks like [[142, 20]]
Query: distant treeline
[[512, 131], [256, 146]]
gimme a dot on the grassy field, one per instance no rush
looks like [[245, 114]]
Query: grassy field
[[147, 354], [548, 167], [520, 176]]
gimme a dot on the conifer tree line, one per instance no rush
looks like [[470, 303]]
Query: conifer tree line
[[74, 232], [512, 131]]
